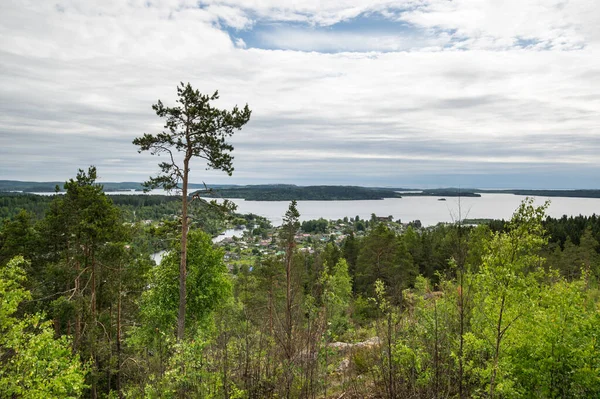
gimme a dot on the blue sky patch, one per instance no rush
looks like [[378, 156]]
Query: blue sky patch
[[364, 33]]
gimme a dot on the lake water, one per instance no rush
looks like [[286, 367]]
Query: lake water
[[157, 257], [229, 233], [428, 210]]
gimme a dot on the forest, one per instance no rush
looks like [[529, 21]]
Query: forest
[[502, 309], [288, 192]]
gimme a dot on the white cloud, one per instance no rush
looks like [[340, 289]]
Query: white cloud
[[313, 12], [240, 43], [77, 82], [493, 24], [233, 17], [482, 24]]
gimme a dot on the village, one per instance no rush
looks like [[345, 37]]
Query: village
[[254, 236]]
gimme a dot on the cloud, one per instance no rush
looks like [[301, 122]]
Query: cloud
[[313, 12], [240, 43], [230, 16], [545, 24], [446, 97], [481, 24]]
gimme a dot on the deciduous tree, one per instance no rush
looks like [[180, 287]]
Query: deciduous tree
[[32, 363]]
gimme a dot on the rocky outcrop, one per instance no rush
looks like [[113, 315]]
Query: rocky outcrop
[[345, 346]]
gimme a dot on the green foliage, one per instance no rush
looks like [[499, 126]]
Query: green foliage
[[286, 192], [84, 211], [34, 363], [194, 128], [376, 259], [85, 271], [556, 354], [476, 310], [425, 342], [194, 380], [315, 226], [337, 294], [209, 286], [18, 237], [11, 204], [507, 288], [574, 259], [350, 248], [383, 256], [290, 224], [477, 246]]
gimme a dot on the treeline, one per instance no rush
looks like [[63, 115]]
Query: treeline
[[11, 204], [560, 232], [442, 192], [28, 186], [549, 193], [51, 186], [508, 309], [133, 207], [283, 192]]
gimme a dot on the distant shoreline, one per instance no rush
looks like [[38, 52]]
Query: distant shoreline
[[288, 192]]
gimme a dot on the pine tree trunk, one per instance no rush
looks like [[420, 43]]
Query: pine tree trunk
[[288, 319], [183, 263], [119, 336], [90, 254]]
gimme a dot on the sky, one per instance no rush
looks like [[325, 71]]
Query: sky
[[407, 93]]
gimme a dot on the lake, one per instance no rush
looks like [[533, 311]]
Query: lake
[[157, 257], [429, 210], [229, 233]]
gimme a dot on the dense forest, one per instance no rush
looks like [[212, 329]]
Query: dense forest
[[134, 208], [349, 308], [7, 186], [288, 192]]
